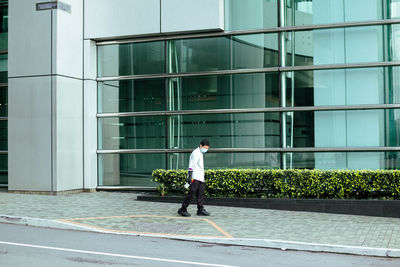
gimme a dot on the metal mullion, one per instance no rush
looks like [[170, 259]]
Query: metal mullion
[[255, 150], [251, 110], [249, 71], [188, 74], [341, 66], [246, 32]]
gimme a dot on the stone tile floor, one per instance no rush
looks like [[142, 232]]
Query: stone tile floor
[[117, 211]]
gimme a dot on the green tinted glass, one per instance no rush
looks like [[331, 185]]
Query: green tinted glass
[[356, 86], [223, 53], [257, 90], [256, 130], [343, 160], [131, 95], [131, 59], [129, 169], [132, 132], [353, 128], [228, 160], [342, 46], [3, 25], [307, 12], [3, 169]]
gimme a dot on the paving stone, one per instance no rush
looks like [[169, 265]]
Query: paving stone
[[152, 217]]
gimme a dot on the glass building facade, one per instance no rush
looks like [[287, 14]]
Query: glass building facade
[[288, 84], [3, 91]]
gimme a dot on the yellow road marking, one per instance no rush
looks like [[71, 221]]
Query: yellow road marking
[[219, 229]]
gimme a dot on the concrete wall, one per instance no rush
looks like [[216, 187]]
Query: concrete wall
[[45, 97], [105, 19]]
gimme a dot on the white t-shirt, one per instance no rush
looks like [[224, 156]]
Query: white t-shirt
[[196, 163]]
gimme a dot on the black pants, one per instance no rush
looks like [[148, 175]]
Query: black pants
[[195, 188]]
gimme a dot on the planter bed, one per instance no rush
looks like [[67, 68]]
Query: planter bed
[[380, 208]]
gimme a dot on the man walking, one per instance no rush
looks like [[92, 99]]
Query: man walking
[[196, 180]]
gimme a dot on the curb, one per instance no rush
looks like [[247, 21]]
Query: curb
[[261, 243]]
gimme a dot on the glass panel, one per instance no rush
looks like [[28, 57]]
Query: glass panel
[[355, 128], [344, 87], [307, 12], [132, 132], [3, 135], [131, 95], [3, 101], [341, 46], [3, 25], [129, 169], [211, 54], [3, 169], [131, 59], [257, 90], [225, 130], [3, 68], [343, 160], [228, 160], [254, 14]]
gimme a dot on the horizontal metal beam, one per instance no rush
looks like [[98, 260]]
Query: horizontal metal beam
[[126, 188], [250, 110], [3, 118], [250, 71], [162, 37], [3, 152], [254, 150]]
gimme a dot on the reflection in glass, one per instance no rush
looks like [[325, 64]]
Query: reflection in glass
[[353, 128], [253, 130], [131, 95], [345, 160], [131, 59], [228, 160], [132, 132], [211, 54], [3, 169], [129, 169], [258, 90], [340, 46], [357, 86], [3, 25], [3, 68], [308, 12], [3, 101], [3, 135]]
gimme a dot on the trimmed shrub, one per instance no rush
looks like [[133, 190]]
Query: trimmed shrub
[[338, 184]]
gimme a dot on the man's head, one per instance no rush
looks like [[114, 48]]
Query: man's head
[[204, 145]]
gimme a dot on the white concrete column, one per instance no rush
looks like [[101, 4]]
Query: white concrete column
[[45, 97]]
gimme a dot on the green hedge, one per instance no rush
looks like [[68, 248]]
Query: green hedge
[[338, 184]]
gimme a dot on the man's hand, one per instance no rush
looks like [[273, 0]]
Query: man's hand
[[189, 177]]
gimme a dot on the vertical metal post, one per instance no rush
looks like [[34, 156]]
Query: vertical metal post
[[293, 48], [282, 41]]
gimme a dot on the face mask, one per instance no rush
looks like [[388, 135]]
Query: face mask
[[203, 150]]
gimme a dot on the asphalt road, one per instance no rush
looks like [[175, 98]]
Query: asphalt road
[[33, 246]]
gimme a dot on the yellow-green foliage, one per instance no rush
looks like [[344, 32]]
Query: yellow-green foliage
[[342, 184]]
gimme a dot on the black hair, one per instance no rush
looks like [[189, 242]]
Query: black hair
[[204, 142]]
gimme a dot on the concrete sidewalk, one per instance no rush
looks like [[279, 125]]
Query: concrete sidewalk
[[120, 213]]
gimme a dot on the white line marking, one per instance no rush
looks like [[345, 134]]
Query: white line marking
[[113, 255]]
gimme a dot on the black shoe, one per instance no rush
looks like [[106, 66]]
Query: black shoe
[[183, 213], [203, 212]]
